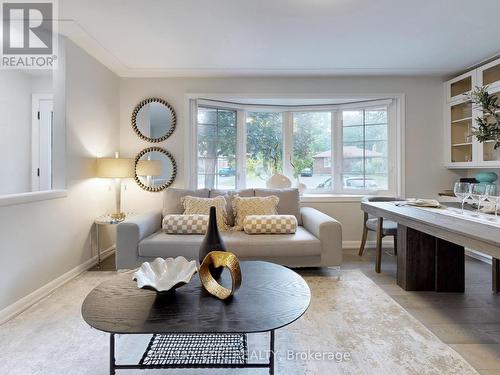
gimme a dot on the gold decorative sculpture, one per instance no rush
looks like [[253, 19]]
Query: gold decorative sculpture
[[220, 259]]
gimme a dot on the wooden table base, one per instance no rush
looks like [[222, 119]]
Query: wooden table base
[[427, 263], [495, 275]]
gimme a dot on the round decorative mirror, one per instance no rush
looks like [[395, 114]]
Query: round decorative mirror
[[153, 120], [155, 169]]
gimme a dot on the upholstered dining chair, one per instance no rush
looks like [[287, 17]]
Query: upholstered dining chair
[[389, 228]]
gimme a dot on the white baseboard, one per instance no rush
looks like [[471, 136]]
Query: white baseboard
[[386, 243], [24, 303]]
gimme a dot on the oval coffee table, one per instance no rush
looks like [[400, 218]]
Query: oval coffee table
[[270, 297]]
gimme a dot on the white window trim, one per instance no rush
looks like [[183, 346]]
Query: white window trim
[[396, 116]]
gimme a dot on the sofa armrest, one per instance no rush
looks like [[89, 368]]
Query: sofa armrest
[[328, 231], [130, 233]]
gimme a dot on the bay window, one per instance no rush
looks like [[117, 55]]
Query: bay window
[[334, 149], [264, 147], [312, 149], [216, 148]]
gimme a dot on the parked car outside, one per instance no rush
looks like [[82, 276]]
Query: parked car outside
[[306, 172], [227, 172]]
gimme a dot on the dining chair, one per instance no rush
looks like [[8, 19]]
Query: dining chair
[[388, 228]]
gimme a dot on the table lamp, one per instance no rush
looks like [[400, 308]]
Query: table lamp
[[116, 168], [148, 169]]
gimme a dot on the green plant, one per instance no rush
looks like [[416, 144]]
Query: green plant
[[488, 124]]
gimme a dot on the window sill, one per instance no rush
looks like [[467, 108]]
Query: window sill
[[320, 198], [35, 196]]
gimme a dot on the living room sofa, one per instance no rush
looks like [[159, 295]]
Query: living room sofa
[[316, 243]]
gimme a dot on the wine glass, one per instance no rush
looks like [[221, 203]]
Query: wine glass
[[478, 194], [462, 190], [492, 193]]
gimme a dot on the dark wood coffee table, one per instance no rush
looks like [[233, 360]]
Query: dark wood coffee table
[[270, 297]]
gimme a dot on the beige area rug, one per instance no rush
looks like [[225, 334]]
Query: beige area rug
[[351, 327]]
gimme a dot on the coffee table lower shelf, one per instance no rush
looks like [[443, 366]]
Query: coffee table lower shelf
[[203, 350]]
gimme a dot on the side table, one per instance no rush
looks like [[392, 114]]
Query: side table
[[105, 220]]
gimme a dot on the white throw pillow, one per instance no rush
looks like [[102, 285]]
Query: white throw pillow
[[244, 207], [196, 205], [185, 224], [270, 224]]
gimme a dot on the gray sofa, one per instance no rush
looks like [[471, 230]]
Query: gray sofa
[[317, 242]]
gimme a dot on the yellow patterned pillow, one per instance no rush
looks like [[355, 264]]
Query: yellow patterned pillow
[[196, 205], [244, 207]]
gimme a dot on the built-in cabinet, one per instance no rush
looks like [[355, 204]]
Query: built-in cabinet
[[462, 150]]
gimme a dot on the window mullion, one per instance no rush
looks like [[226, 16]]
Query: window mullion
[[337, 151], [287, 144], [241, 149], [191, 178]]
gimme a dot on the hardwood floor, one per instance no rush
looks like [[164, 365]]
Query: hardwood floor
[[469, 322]]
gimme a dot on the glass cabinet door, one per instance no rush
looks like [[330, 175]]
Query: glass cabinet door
[[490, 74], [459, 86], [461, 125]]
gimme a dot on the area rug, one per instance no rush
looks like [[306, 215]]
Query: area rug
[[351, 327]]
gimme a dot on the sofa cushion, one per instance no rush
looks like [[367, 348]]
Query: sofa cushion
[[270, 224], [289, 203], [185, 224], [301, 243], [242, 207], [172, 199], [229, 194], [161, 244], [196, 205]]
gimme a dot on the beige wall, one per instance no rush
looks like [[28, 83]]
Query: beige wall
[[41, 241], [425, 175]]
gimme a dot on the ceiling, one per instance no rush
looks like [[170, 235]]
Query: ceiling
[[173, 38]]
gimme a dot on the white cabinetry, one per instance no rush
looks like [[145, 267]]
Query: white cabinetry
[[462, 150]]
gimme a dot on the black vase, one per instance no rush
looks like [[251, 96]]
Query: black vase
[[212, 242]]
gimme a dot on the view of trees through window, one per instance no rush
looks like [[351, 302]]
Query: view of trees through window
[[216, 148], [264, 141], [312, 149], [362, 135], [365, 149]]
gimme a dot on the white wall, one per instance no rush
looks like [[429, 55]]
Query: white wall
[[41, 241], [15, 132], [425, 176]]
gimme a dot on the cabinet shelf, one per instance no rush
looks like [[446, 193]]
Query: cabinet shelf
[[461, 120]]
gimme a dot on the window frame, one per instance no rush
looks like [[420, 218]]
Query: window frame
[[395, 129]]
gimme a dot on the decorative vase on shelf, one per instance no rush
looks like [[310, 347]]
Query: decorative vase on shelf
[[486, 177], [278, 181], [212, 242]]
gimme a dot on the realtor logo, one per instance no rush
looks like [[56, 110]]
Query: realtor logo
[[29, 39]]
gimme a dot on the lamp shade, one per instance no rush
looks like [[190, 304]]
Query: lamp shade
[[115, 168], [149, 168]]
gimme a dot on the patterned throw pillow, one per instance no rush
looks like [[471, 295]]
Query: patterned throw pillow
[[196, 205], [265, 224], [185, 224], [243, 207]]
